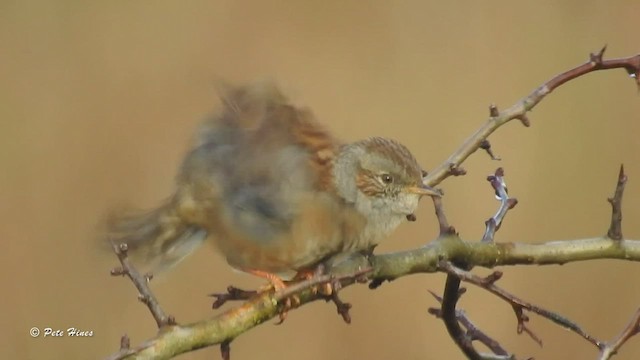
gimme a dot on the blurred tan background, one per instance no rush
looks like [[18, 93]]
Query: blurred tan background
[[98, 101]]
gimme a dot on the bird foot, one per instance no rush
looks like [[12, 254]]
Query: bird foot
[[288, 303], [325, 288], [286, 291], [278, 286]]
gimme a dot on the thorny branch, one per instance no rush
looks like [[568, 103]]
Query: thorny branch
[[141, 282], [472, 332], [518, 305], [446, 253], [633, 328], [451, 316], [520, 109]]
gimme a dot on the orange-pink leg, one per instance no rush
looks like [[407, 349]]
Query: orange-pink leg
[[278, 285], [275, 280]]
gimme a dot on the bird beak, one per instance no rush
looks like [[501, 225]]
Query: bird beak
[[423, 190]]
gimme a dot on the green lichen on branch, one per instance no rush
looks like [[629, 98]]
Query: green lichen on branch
[[178, 339]]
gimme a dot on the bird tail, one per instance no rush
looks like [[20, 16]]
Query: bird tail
[[157, 239]]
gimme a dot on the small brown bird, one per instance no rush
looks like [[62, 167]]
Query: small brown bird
[[275, 192]]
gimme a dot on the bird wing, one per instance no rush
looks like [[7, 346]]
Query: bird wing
[[266, 155]]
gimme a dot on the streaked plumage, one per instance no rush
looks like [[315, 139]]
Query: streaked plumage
[[275, 192]]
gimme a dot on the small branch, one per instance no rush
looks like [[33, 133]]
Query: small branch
[[450, 317], [518, 304], [506, 203], [445, 228], [225, 350], [233, 294], [632, 329], [341, 307], [519, 109], [230, 324], [141, 283], [473, 332], [615, 229]]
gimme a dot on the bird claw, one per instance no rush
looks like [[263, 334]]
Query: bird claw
[[324, 288], [287, 304]]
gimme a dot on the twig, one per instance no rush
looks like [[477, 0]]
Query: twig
[[233, 294], [526, 104], [472, 331], [450, 317], [445, 228], [632, 329], [341, 307], [615, 229], [141, 283], [233, 322], [518, 304], [225, 350], [506, 204]]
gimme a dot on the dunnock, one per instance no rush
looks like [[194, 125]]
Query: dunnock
[[275, 192]]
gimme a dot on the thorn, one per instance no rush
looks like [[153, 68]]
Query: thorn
[[123, 248], [486, 146], [225, 350], [492, 278], [524, 120], [118, 271], [456, 170], [125, 342], [493, 110], [143, 299], [436, 296], [412, 217], [596, 59]]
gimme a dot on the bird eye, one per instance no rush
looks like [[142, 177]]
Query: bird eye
[[386, 178]]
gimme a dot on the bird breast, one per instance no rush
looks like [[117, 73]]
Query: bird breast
[[382, 216]]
